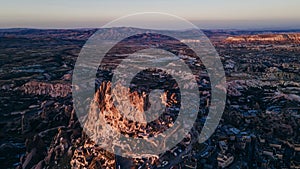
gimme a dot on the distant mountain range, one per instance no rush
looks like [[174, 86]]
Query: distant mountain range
[[208, 32], [217, 35]]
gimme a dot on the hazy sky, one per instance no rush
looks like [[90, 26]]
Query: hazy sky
[[95, 13]]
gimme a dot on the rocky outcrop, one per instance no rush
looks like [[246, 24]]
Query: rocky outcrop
[[54, 131], [295, 37], [36, 151], [42, 88]]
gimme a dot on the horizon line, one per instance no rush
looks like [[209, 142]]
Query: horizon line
[[208, 29]]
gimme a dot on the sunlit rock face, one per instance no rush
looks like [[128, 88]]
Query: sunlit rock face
[[265, 38], [42, 88], [105, 122]]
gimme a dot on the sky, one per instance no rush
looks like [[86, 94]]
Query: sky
[[208, 14]]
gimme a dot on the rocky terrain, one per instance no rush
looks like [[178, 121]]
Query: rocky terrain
[[40, 128], [266, 38]]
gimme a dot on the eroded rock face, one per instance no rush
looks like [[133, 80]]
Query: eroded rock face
[[42, 88], [89, 155], [105, 122], [36, 151], [265, 38]]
